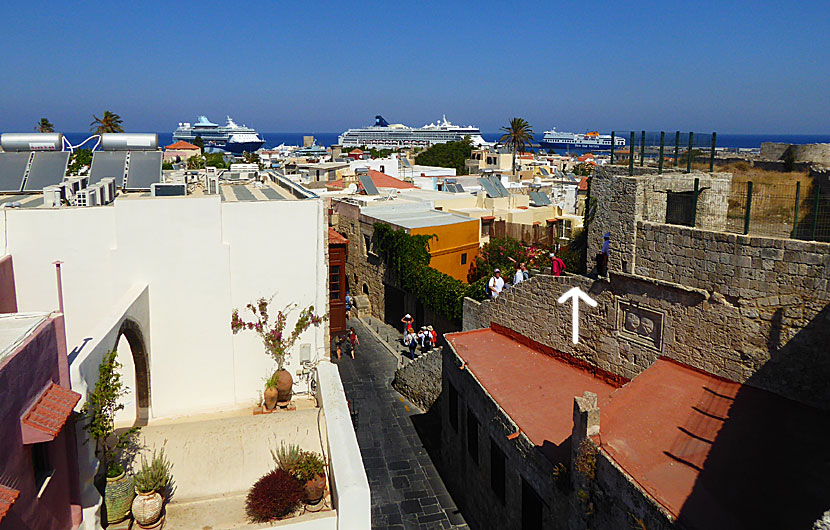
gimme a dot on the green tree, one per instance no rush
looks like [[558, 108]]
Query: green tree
[[109, 123], [198, 142], [450, 154], [80, 158], [196, 162], [517, 136], [166, 165], [45, 126], [216, 160]]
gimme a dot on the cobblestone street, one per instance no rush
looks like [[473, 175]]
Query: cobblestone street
[[407, 491]]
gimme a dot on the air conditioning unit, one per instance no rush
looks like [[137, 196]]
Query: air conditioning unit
[[163, 189], [212, 187], [107, 190], [52, 197]]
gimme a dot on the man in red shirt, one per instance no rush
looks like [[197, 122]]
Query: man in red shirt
[[557, 266]]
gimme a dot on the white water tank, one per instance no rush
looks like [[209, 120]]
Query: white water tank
[[31, 141], [129, 141]]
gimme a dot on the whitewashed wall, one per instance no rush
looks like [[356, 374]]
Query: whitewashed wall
[[200, 258]]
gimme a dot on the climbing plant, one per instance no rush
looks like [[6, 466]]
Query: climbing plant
[[407, 257]]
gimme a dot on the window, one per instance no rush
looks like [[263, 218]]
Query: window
[[565, 229], [453, 404], [531, 508], [463, 258], [472, 436], [368, 245], [497, 470], [680, 208], [41, 466]]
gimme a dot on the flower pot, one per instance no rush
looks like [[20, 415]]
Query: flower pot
[[118, 497], [285, 384], [147, 508], [270, 395], [315, 488]]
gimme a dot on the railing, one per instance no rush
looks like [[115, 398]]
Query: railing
[[664, 150]]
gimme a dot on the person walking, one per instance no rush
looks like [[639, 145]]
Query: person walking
[[557, 266], [433, 337], [602, 266], [408, 323], [349, 302], [411, 340], [496, 284], [353, 341], [519, 277]]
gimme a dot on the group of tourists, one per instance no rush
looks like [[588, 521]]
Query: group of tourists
[[349, 342], [425, 338], [496, 284]]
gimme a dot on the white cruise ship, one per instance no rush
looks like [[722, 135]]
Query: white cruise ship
[[382, 135], [229, 137], [591, 140]]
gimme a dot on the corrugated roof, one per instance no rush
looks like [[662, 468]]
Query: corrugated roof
[[52, 409]]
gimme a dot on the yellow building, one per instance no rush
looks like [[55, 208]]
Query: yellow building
[[457, 238]]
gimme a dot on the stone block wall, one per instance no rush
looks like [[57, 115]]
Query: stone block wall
[[818, 153], [420, 380]]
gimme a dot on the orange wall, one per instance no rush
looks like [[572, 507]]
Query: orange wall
[[452, 241]]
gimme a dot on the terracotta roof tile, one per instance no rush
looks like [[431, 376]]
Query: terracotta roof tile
[[583, 184], [335, 238], [381, 180], [181, 144], [52, 409], [7, 498]]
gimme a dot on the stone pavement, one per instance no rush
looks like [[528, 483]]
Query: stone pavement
[[407, 491]]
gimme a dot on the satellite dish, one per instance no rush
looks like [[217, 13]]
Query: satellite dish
[[352, 188]]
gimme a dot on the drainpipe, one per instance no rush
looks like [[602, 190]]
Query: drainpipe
[[60, 284]]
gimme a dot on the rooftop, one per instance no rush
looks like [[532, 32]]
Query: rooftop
[[535, 389], [15, 328], [181, 144], [405, 216], [718, 454]]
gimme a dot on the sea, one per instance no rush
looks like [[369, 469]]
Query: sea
[[273, 139]]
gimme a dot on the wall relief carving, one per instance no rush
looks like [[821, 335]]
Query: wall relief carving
[[640, 324]]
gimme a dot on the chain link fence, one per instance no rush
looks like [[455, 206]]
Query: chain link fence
[[663, 150]]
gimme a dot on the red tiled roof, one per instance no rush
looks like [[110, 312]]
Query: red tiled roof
[[583, 184], [356, 152], [715, 453], [181, 144], [534, 388], [52, 409], [7, 498], [381, 180], [335, 238]]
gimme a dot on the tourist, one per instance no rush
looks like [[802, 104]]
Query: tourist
[[353, 341], [408, 323], [433, 337], [602, 258], [349, 302], [338, 343], [411, 340], [557, 266], [496, 284], [519, 277], [525, 272], [423, 337]]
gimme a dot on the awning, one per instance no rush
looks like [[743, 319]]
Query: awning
[[45, 419]]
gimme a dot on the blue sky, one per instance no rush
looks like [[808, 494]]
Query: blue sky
[[728, 66]]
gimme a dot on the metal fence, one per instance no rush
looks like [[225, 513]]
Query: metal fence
[[663, 150], [795, 212]]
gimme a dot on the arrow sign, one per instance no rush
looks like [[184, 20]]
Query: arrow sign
[[577, 294]]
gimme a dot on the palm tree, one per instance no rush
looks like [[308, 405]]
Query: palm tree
[[45, 126], [110, 123], [518, 135]]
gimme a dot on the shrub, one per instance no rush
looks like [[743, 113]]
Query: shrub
[[154, 475], [287, 456], [310, 465], [275, 495]]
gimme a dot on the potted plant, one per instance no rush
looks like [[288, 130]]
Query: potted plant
[[275, 496], [311, 472], [99, 410], [151, 481], [277, 342]]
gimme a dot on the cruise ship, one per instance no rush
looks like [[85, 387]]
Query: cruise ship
[[383, 135], [591, 140], [229, 137]]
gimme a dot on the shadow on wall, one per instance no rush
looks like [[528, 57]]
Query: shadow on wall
[[769, 466]]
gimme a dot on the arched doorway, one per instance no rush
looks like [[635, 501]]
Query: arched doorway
[[132, 353]]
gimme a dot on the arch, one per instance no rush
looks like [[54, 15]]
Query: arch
[[131, 331], [365, 289]]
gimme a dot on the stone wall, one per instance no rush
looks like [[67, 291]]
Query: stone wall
[[818, 153], [420, 380]]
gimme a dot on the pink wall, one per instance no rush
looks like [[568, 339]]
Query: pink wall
[[23, 375], [8, 296]]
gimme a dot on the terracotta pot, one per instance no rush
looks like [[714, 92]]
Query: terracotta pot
[[315, 488], [147, 508], [270, 395], [118, 496], [285, 384]]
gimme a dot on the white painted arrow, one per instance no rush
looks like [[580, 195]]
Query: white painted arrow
[[577, 294]]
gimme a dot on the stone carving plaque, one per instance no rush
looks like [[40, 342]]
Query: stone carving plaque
[[640, 324]]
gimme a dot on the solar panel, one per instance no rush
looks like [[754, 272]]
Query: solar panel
[[368, 185], [12, 169], [108, 164], [405, 163], [499, 186], [534, 198], [544, 171], [47, 169], [488, 187], [459, 189], [559, 173], [145, 169]]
